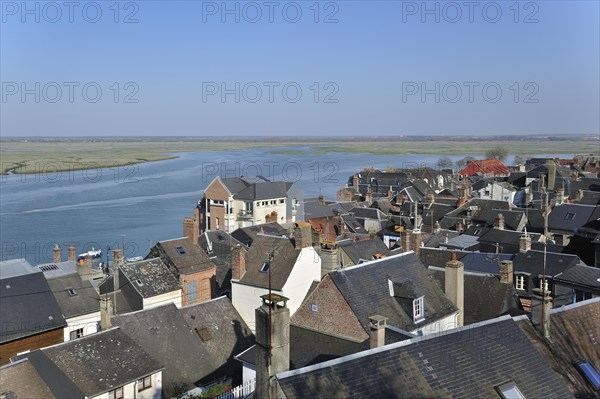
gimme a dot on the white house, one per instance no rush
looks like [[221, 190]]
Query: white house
[[288, 266]]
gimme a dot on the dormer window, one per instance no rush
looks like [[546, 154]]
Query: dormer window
[[520, 283], [418, 308]]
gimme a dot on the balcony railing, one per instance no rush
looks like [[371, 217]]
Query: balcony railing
[[240, 391], [245, 215]]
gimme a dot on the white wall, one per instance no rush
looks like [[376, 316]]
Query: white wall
[[161, 300], [130, 390], [248, 373], [441, 325], [307, 269], [89, 323]]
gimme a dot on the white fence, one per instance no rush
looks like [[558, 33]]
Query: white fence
[[239, 392]]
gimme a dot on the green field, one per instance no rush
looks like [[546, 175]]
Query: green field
[[35, 156]]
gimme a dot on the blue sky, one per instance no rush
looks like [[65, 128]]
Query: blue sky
[[533, 69]]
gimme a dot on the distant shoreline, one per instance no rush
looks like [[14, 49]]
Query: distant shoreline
[[24, 156]]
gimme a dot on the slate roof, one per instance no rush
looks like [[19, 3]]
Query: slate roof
[[436, 239], [169, 335], [512, 219], [15, 267], [193, 259], [532, 262], [581, 275], [364, 249], [246, 235], [85, 300], [463, 241], [368, 213], [93, 364], [155, 277], [463, 363], [484, 262], [574, 332], [365, 287], [569, 217], [282, 264], [314, 209], [353, 225], [263, 190], [485, 296], [27, 307], [20, 380]]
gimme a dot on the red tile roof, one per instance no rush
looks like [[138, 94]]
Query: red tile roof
[[485, 166]]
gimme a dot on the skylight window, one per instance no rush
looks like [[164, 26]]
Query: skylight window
[[180, 250], [509, 390], [265, 267], [590, 373], [314, 307], [139, 282], [71, 292], [570, 216]]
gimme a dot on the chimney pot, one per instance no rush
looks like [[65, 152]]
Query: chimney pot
[[303, 235], [506, 271], [71, 254], [57, 255], [500, 221]]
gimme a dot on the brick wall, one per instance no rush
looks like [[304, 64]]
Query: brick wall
[[333, 314], [205, 286]]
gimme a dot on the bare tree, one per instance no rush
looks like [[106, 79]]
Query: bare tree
[[500, 153]]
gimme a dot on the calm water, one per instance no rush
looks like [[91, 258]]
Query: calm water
[[145, 203]]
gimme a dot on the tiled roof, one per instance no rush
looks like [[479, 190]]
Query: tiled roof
[[485, 166], [364, 249], [463, 363], [186, 256], [155, 277], [581, 275], [533, 262], [20, 380], [284, 259]]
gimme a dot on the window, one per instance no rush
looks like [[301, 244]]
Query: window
[[569, 216], [116, 394], [181, 250], [265, 267], [144, 383], [590, 373], [203, 333], [71, 292], [273, 202], [282, 201], [418, 308], [139, 282], [76, 333], [314, 308], [191, 291], [265, 203], [509, 390], [520, 283]]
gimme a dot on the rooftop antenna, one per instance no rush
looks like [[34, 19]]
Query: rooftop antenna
[[270, 347]]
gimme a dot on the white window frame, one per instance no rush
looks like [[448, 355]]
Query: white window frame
[[419, 308], [142, 383], [520, 282], [547, 283], [78, 332]]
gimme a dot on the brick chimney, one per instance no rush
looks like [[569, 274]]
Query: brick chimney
[[117, 255], [405, 238], [321, 199], [303, 235], [390, 193], [416, 241], [455, 286], [238, 262], [56, 254], [369, 195], [355, 182], [377, 324], [506, 272], [72, 256], [541, 303], [525, 243], [106, 311], [84, 267], [500, 221], [191, 226], [272, 343], [551, 174], [117, 261], [462, 197]]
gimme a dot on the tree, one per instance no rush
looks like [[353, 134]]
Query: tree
[[461, 163], [500, 153], [519, 160], [444, 163]]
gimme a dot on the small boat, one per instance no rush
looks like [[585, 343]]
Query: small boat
[[135, 259], [94, 253]]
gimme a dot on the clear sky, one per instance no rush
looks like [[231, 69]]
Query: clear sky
[[237, 68]]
